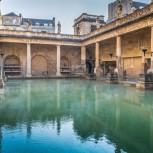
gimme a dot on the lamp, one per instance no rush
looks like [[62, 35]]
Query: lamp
[[145, 52], [111, 55]]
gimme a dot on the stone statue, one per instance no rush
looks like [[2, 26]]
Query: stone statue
[[59, 27], [97, 23], [28, 25], [119, 10]]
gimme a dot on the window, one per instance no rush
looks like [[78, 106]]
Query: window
[[37, 24], [45, 24]]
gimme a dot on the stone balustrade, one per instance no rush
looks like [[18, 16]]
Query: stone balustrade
[[144, 12], [18, 33], [122, 21]]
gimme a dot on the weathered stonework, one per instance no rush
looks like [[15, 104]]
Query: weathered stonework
[[123, 38]]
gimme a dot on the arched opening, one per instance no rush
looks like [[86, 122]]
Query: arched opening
[[39, 66], [12, 66], [65, 65], [89, 67]]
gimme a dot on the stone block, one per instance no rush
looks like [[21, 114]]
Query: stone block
[[1, 84]]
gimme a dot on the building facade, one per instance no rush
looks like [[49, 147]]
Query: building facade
[[13, 21], [121, 8], [116, 46], [87, 23]]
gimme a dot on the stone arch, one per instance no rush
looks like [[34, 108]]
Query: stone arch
[[65, 62], [12, 60], [89, 67], [39, 65], [12, 66]]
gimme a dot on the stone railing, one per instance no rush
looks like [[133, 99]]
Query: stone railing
[[122, 21], [19, 33]]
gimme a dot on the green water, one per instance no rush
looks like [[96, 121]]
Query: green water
[[75, 116]]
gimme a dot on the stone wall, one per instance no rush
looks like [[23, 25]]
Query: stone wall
[[132, 46], [73, 56], [18, 50], [112, 9], [43, 57]]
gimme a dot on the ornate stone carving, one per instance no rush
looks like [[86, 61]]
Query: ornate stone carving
[[119, 10]]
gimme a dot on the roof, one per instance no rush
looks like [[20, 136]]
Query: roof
[[11, 14], [138, 5], [40, 21]]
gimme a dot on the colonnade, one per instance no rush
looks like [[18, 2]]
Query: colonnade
[[29, 67], [83, 49], [97, 54]]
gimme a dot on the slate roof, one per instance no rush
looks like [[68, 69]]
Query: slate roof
[[138, 5], [11, 14], [40, 21]]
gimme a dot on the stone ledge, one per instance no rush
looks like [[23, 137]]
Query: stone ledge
[[1, 84]]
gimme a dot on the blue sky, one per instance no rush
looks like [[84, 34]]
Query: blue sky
[[64, 11]]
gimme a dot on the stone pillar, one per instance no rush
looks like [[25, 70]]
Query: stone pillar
[[83, 58], [28, 74], [83, 55], [118, 55], [58, 73], [151, 68], [97, 58], [143, 64], [1, 73]]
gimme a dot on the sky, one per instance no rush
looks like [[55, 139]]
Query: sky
[[64, 11]]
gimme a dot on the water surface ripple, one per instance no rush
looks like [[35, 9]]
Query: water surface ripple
[[75, 116]]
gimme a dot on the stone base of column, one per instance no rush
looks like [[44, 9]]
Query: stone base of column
[[119, 73], [1, 84], [28, 75], [97, 71], [150, 71], [58, 74], [144, 85], [83, 66], [145, 81], [112, 79]]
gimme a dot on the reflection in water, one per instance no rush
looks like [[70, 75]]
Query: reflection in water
[[75, 116], [28, 97]]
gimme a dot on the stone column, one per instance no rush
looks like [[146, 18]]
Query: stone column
[[97, 58], [83, 58], [58, 73], [151, 68], [83, 55], [1, 73], [118, 55], [28, 74]]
